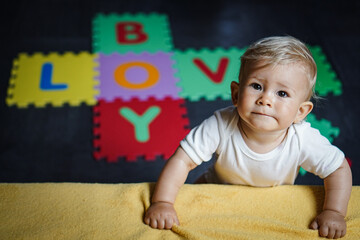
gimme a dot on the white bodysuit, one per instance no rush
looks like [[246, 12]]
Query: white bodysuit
[[236, 163]]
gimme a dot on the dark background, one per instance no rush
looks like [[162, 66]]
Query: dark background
[[55, 144]]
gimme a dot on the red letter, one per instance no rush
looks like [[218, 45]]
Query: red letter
[[217, 76], [130, 33]]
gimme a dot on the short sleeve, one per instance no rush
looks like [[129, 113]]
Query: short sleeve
[[318, 155], [202, 141]]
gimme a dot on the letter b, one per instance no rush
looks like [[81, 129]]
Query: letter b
[[130, 33]]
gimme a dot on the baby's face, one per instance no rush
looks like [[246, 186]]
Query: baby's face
[[272, 98]]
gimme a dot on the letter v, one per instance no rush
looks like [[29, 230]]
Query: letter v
[[141, 122], [216, 77]]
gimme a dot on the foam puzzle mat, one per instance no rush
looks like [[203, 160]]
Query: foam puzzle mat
[[327, 81], [207, 73], [131, 32], [142, 76], [138, 128], [55, 79], [139, 83]]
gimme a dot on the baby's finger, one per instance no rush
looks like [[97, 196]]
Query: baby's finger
[[176, 221], [161, 224], [331, 233], [343, 233], [153, 223], [337, 234], [147, 220], [314, 225], [169, 223], [323, 231]]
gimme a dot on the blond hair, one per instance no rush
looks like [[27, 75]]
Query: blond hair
[[279, 50]]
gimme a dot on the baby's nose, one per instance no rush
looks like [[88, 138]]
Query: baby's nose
[[265, 100]]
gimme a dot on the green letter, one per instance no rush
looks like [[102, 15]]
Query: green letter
[[141, 123]]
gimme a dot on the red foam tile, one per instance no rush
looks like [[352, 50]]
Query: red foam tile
[[116, 134]]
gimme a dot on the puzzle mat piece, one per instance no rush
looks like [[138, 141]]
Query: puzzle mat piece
[[118, 135], [207, 73], [52, 79], [349, 161], [327, 81], [131, 32], [132, 75], [325, 128]]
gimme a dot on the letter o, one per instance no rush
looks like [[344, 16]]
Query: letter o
[[120, 78]]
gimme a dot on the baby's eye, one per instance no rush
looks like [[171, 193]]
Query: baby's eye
[[282, 94], [256, 86]]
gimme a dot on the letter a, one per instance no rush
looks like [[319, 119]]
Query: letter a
[[141, 123], [130, 33]]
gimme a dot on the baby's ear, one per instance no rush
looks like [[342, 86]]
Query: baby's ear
[[304, 109], [234, 92]]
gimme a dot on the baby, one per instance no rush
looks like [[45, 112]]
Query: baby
[[262, 140]]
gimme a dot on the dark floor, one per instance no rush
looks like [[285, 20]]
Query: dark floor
[[55, 144]]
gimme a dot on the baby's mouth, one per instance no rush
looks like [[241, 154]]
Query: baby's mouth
[[262, 114]]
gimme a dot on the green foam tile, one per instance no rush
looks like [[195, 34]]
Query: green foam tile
[[324, 126], [154, 26], [327, 81], [222, 67]]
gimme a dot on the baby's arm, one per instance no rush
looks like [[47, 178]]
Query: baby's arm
[[338, 185], [161, 214]]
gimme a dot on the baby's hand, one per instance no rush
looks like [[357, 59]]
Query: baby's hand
[[161, 215], [330, 224]]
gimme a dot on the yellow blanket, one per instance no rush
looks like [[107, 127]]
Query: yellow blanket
[[115, 211]]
